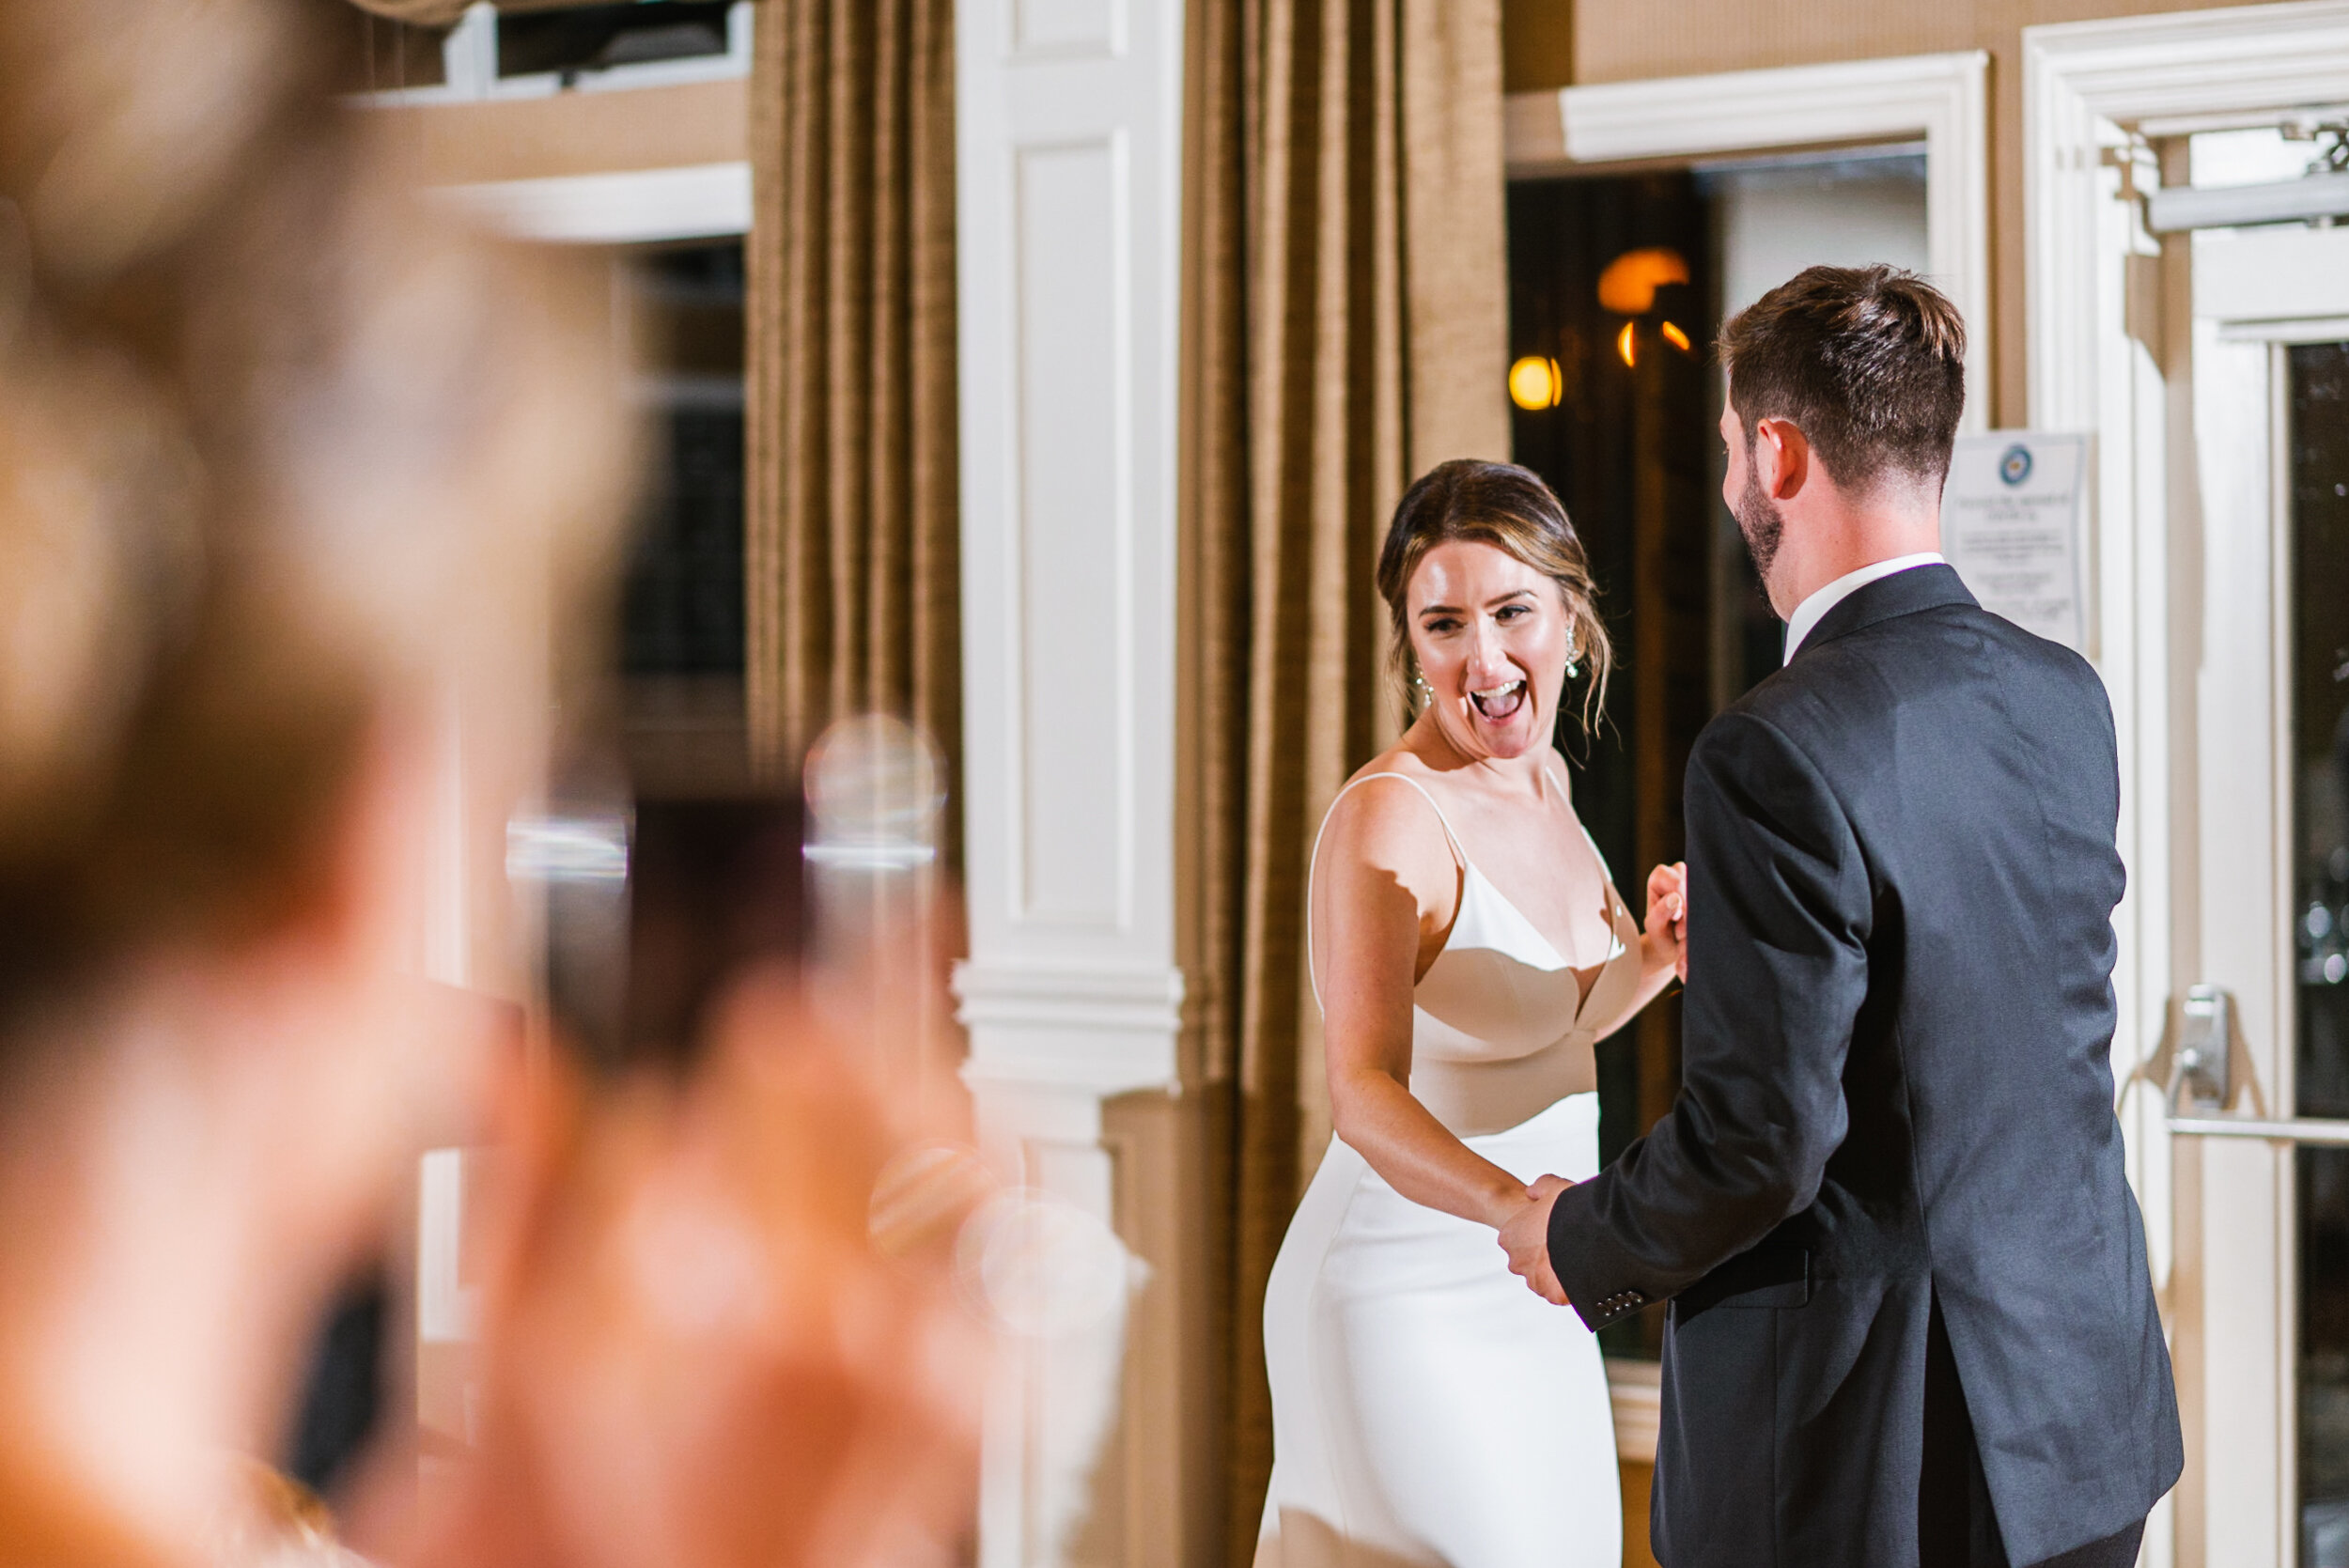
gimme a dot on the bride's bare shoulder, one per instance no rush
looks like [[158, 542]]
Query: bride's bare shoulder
[[1387, 817]]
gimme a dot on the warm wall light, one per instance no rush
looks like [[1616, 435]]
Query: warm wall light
[[1536, 383], [1623, 345], [1628, 286], [1674, 336]]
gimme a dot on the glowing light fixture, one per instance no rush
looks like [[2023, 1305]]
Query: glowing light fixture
[[1628, 286], [1536, 383], [1674, 336], [1623, 345]]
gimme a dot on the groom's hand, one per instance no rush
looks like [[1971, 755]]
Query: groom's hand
[[1526, 1238]]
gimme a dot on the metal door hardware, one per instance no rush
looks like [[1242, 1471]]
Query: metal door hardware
[[2200, 1059], [2202, 1081]]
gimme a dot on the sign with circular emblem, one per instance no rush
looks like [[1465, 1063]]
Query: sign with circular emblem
[[2011, 525]]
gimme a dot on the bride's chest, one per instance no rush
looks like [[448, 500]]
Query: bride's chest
[[1543, 867]]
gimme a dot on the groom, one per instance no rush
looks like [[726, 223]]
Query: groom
[[1911, 1322]]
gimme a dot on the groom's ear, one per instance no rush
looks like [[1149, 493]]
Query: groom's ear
[[1781, 458]]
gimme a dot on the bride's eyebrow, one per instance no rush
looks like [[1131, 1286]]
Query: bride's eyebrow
[[1439, 609], [1513, 594]]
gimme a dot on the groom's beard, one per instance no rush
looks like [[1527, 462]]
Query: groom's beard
[[1763, 524]]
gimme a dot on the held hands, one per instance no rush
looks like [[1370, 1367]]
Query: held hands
[[1525, 1236], [1665, 939]]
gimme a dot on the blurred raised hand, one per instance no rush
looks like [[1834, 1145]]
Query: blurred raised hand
[[718, 1332]]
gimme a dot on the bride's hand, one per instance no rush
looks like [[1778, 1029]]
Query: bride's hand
[[1665, 938], [1525, 1236]]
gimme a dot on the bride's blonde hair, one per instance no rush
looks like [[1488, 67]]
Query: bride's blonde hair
[[1511, 509]]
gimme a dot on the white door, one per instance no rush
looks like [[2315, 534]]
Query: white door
[[2260, 1289]]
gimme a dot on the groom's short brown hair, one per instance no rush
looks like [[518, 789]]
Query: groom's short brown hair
[[1867, 361]]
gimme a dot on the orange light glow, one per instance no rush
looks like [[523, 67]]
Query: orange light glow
[[1536, 383], [1623, 345], [1628, 286], [1674, 336]]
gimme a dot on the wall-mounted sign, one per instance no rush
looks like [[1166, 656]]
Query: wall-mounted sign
[[2011, 525]]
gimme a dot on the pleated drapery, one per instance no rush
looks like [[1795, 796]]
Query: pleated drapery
[[1345, 329], [850, 545]]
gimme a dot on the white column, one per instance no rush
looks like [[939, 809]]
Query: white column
[[1070, 209]]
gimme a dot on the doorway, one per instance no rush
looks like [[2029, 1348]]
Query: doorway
[[1618, 284]]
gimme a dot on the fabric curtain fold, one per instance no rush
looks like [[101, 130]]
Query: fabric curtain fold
[[1345, 329], [850, 525]]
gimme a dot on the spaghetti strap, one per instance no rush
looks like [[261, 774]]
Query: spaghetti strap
[[1597, 853], [1312, 865], [1549, 778], [1606, 872]]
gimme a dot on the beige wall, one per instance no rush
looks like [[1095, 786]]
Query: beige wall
[[578, 132], [1555, 43]]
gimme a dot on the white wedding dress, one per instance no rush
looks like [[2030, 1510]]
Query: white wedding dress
[[1427, 1409]]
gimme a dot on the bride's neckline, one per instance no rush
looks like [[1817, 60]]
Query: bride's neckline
[[1533, 949], [1556, 962]]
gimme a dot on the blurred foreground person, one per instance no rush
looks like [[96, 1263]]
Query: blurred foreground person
[[283, 466]]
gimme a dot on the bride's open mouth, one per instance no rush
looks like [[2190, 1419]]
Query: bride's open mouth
[[1499, 704]]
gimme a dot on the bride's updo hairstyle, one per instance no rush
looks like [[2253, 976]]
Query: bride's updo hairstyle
[[280, 449], [1511, 509]]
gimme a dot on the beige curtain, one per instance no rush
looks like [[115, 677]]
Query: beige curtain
[[1345, 329], [850, 521]]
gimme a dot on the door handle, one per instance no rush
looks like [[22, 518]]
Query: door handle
[[2288, 1130], [2201, 1081]]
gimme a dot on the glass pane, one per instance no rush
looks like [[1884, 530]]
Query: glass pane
[[683, 607], [2319, 392]]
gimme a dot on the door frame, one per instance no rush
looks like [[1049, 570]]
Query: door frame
[[1942, 100], [2099, 362]]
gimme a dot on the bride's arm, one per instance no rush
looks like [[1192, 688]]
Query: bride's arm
[[1664, 941], [1385, 890]]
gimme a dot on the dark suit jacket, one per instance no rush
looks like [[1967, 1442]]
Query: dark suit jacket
[[1896, 1094]]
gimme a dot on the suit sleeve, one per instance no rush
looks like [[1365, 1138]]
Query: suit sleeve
[[1779, 916]]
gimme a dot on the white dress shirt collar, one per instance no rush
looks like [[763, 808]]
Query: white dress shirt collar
[[1812, 611]]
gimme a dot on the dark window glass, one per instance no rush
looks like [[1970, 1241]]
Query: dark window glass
[[683, 606], [578, 39], [2319, 676]]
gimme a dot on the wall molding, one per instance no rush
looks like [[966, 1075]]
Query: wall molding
[[1097, 1030], [1942, 98], [2081, 81], [704, 201]]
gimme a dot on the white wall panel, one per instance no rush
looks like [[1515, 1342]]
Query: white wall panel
[[1074, 623], [1069, 206], [1068, 137], [1044, 27]]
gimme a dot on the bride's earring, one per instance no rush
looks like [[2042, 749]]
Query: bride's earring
[[1419, 684], [1574, 660]]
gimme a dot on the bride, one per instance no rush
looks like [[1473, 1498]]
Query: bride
[[1467, 947]]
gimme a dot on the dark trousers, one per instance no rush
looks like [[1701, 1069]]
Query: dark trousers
[[1955, 1526]]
